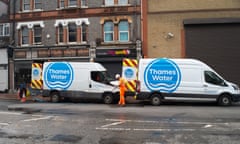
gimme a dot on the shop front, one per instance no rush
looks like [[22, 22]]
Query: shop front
[[111, 58]]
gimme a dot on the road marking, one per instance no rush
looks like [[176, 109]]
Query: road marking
[[4, 124], [10, 113], [36, 119], [113, 124], [121, 121]]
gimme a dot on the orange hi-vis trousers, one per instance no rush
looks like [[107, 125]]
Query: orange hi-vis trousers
[[122, 92]]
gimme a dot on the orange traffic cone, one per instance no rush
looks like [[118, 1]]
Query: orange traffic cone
[[23, 97]]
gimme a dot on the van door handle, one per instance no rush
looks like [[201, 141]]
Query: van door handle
[[90, 86], [205, 85]]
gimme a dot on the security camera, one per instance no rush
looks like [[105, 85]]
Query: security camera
[[170, 35]]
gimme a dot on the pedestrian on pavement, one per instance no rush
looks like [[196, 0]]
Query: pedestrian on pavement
[[121, 89]]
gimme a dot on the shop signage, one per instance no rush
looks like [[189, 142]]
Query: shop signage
[[115, 53]]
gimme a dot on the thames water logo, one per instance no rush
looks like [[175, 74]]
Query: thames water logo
[[162, 75], [129, 73], [58, 75]]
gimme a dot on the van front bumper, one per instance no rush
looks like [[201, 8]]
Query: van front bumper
[[236, 97]]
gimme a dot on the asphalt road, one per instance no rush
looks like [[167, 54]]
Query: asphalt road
[[95, 123]]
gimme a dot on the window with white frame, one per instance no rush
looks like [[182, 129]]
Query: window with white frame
[[4, 29], [61, 3], [25, 35], [72, 3], [109, 2], [26, 5], [60, 33], [83, 3], [84, 32], [37, 4], [123, 31], [72, 32], [37, 34], [122, 2], [108, 31]]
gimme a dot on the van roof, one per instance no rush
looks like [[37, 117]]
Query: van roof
[[83, 65]]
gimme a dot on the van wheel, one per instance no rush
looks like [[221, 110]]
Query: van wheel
[[55, 98], [225, 100], [108, 99], [155, 99]]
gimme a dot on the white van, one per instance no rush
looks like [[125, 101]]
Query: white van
[[84, 80], [183, 79]]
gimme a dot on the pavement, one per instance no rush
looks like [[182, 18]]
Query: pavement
[[31, 102]]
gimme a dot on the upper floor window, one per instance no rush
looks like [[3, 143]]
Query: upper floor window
[[123, 31], [37, 4], [83, 3], [60, 33], [108, 31], [25, 35], [122, 2], [4, 29], [72, 32], [84, 32], [30, 33], [109, 2], [28, 5], [72, 3], [116, 2], [37, 34], [116, 29], [61, 3]]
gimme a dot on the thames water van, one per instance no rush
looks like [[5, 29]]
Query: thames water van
[[83, 80], [183, 79]]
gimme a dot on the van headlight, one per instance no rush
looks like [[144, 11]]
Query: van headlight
[[235, 87]]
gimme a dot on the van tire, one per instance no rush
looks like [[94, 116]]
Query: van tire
[[156, 99], [55, 98], [108, 99], [224, 100]]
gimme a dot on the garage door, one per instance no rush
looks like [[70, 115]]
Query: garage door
[[217, 44]]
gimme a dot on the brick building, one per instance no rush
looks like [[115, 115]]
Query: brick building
[[207, 30], [4, 42], [105, 31]]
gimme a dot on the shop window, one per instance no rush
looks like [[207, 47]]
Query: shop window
[[25, 35], [37, 34], [123, 31], [108, 31], [4, 29], [72, 32]]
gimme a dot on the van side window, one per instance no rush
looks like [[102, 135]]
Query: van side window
[[212, 78], [97, 76]]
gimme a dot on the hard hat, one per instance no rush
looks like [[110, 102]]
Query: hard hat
[[117, 76]]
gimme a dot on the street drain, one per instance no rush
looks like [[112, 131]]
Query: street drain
[[66, 138]]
